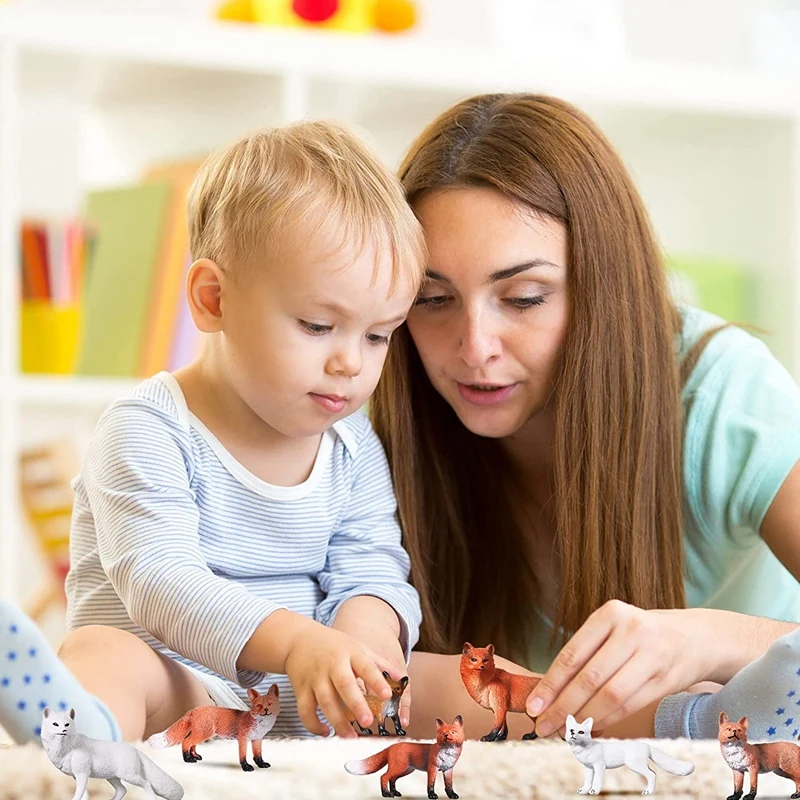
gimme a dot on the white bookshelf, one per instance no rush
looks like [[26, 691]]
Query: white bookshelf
[[90, 99]]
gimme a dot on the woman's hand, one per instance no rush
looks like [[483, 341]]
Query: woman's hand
[[323, 665], [620, 660]]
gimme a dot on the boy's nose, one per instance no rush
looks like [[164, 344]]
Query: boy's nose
[[346, 362]]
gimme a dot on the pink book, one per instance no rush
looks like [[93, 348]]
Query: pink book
[[187, 340]]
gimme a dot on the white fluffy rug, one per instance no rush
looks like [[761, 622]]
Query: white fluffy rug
[[314, 768]]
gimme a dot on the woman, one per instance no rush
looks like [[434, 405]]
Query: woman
[[578, 461]]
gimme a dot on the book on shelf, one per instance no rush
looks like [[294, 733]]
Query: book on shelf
[[104, 295]]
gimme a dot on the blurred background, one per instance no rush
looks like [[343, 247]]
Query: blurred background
[[107, 107]]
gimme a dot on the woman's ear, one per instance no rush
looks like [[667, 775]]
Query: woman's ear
[[205, 283]]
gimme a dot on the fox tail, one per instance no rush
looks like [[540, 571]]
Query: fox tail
[[172, 735], [368, 765], [669, 764], [163, 785]]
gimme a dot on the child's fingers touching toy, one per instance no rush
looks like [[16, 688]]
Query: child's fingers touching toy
[[323, 667]]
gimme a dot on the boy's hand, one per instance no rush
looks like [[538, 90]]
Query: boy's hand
[[323, 665]]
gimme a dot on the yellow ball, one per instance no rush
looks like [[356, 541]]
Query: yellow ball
[[394, 16], [236, 11]]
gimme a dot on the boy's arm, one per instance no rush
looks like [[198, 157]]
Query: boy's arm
[[365, 578], [136, 480]]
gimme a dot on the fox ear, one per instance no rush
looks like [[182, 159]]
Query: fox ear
[[251, 694], [587, 723], [404, 681], [72, 713], [386, 675], [723, 718], [459, 720], [490, 648], [571, 720], [466, 648], [274, 690], [46, 712], [744, 722], [439, 723]]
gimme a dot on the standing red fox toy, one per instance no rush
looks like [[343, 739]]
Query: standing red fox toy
[[204, 722], [782, 758], [495, 688], [384, 709], [404, 757]]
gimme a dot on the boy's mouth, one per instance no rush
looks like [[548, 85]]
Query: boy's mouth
[[333, 403]]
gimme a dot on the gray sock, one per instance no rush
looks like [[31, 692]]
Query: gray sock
[[767, 691], [32, 676]]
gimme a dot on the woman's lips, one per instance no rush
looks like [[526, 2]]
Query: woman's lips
[[330, 402], [491, 395]]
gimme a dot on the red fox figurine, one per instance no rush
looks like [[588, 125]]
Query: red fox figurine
[[782, 758], [404, 757], [495, 688], [204, 722], [383, 709]]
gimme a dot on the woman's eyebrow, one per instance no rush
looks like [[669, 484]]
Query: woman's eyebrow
[[510, 272], [501, 274]]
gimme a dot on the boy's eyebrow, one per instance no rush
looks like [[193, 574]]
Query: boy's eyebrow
[[332, 305], [501, 274]]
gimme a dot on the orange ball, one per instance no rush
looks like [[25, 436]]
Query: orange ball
[[394, 16], [236, 11]]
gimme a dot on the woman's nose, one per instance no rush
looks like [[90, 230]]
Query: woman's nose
[[477, 343]]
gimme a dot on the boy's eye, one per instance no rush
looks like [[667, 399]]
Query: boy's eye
[[314, 328], [374, 338]]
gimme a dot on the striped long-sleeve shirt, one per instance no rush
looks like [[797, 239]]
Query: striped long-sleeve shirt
[[175, 541]]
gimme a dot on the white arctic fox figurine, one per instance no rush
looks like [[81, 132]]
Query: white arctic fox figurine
[[597, 757], [83, 758]]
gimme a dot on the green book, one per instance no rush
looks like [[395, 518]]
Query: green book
[[129, 224]]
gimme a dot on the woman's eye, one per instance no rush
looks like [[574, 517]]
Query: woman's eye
[[525, 302], [315, 329], [433, 302]]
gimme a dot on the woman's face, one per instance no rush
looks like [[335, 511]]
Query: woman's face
[[490, 320]]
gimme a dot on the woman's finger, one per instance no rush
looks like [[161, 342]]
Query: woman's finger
[[586, 641], [307, 711], [620, 691], [331, 707], [405, 706], [589, 680], [647, 694], [345, 684]]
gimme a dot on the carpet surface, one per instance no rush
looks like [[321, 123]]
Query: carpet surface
[[314, 768]]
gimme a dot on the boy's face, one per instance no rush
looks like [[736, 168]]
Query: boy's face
[[306, 336]]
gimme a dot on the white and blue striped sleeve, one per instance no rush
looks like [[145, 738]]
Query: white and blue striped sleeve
[[365, 554], [137, 476]]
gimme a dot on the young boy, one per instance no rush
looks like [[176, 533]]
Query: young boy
[[237, 518]]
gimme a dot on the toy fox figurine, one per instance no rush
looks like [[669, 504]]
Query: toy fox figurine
[[404, 757], [782, 758], [204, 722], [495, 688], [83, 758], [383, 709]]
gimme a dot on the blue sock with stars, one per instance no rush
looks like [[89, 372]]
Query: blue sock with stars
[[767, 691], [32, 676]]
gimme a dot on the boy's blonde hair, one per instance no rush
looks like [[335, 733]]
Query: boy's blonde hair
[[247, 195]]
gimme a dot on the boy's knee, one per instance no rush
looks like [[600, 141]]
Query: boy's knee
[[101, 639]]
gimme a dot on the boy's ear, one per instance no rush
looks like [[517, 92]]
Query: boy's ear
[[723, 718], [204, 285]]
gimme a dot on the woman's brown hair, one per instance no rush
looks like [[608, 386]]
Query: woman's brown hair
[[617, 441]]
